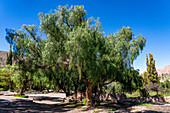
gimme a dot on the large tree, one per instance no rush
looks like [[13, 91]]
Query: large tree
[[73, 43]]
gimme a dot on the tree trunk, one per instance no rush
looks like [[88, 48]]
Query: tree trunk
[[40, 86], [75, 91], [88, 90], [88, 95], [48, 90], [98, 93], [99, 90], [68, 91], [157, 92], [22, 88], [67, 94], [10, 85]]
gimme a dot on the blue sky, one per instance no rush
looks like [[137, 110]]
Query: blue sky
[[151, 18]]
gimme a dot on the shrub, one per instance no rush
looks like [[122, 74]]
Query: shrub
[[97, 103], [22, 96], [84, 101], [160, 95], [143, 92]]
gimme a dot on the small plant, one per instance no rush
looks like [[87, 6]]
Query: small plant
[[143, 92], [160, 95], [97, 111], [26, 92], [97, 103], [142, 104], [81, 107], [111, 109], [84, 101], [22, 96], [1, 89]]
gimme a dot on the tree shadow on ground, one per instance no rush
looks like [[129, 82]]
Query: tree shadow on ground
[[128, 106], [20, 105], [39, 98], [121, 107]]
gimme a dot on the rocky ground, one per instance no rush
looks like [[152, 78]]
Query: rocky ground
[[51, 103]]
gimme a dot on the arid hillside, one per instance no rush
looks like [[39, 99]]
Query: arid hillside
[[164, 70], [3, 57]]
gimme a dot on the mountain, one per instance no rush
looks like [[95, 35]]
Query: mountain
[[164, 70], [3, 57]]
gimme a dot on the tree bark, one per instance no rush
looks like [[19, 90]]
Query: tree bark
[[75, 91], [88, 90], [22, 88], [99, 90], [10, 85], [88, 95], [98, 93]]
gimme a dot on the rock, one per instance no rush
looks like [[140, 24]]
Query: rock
[[103, 97], [120, 97], [67, 100], [80, 97], [167, 99], [115, 97], [8, 93], [153, 100]]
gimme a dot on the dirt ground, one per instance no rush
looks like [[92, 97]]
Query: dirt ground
[[10, 104]]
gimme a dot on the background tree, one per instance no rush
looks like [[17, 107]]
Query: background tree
[[151, 69], [9, 57], [4, 77], [6, 73], [150, 78], [9, 62]]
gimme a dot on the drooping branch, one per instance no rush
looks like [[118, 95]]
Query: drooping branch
[[109, 82], [30, 32]]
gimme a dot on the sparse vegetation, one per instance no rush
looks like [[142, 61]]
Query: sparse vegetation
[[23, 96], [142, 104]]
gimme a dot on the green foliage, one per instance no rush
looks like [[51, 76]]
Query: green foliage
[[133, 94], [143, 92], [84, 101], [82, 87], [9, 57], [166, 84], [165, 81], [151, 69], [97, 103], [133, 81], [150, 78], [73, 48], [22, 96], [5, 77], [165, 77], [145, 78], [142, 104], [97, 111], [114, 87]]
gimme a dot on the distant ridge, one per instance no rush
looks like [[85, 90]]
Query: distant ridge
[[3, 57], [164, 70]]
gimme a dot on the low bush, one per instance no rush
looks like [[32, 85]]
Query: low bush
[[23, 96], [84, 101], [143, 92]]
